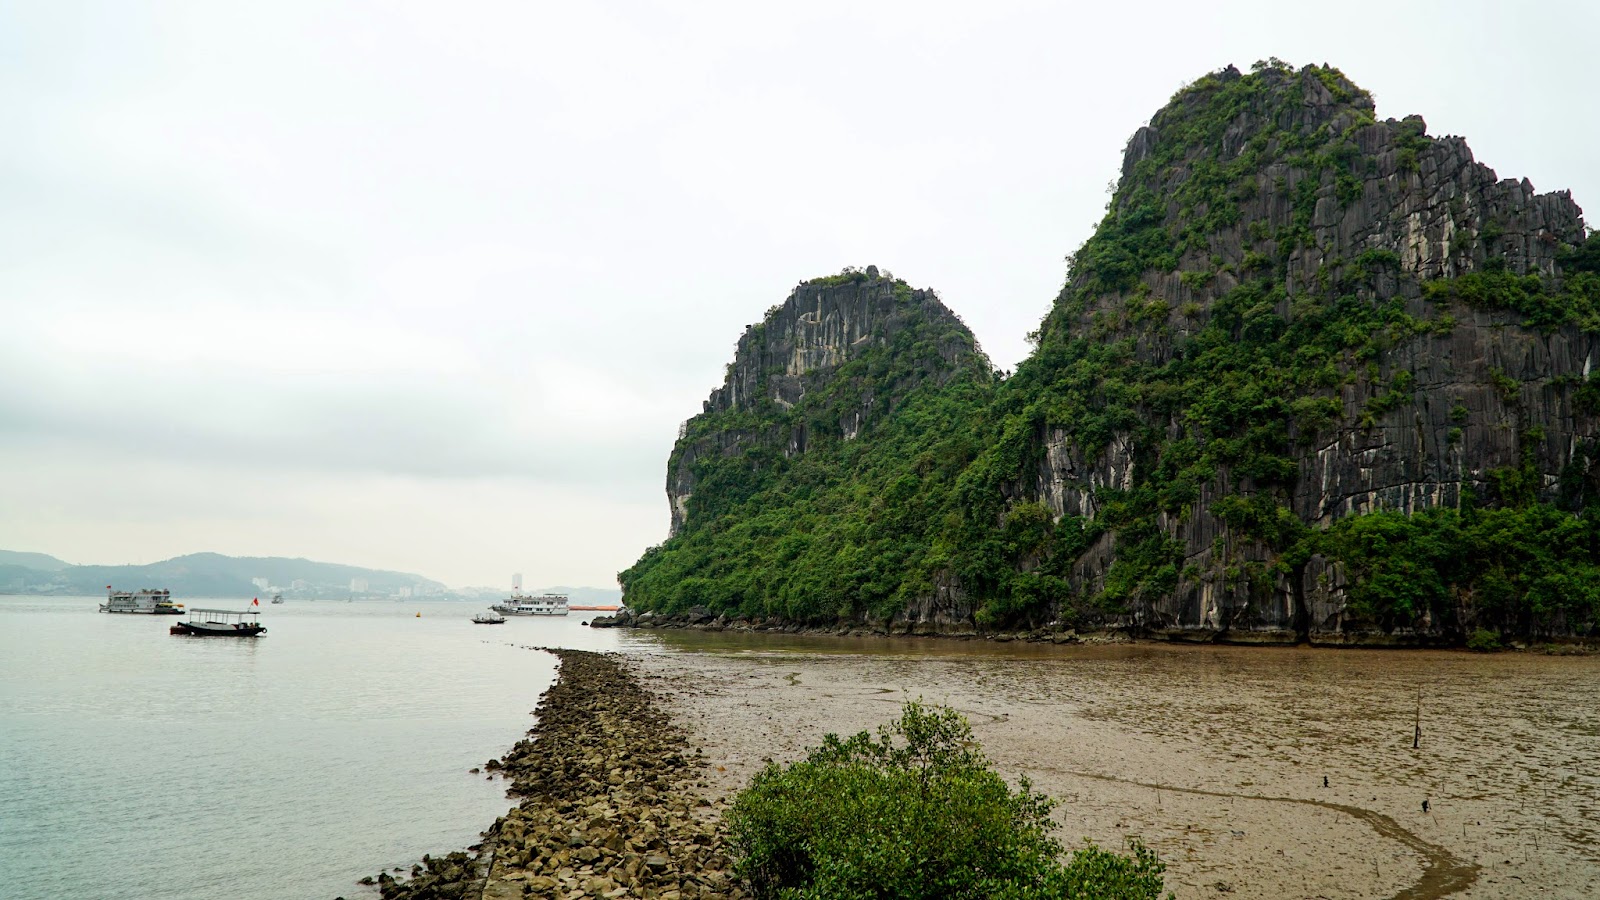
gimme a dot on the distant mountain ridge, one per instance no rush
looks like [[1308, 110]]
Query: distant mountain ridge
[[585, 596], [205, 574], [40, 561]]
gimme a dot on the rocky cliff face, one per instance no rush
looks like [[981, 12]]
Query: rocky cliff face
[[798, 352], [1294, 317], [1326, 201]]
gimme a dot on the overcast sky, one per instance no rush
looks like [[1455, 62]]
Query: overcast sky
[[429, 286]]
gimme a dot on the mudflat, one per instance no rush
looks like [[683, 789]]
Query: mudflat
[[1214, 756]]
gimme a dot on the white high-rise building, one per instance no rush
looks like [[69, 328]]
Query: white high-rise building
[[262, 583], [358, 585], [516, 581]]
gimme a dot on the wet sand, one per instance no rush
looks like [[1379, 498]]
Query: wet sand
[[1213, 756]]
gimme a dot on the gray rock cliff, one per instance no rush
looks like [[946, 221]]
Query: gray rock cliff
[[1486, 392], [1293, 316], [797, 350]]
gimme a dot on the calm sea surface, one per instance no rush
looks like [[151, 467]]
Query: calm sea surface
[[137, 764]]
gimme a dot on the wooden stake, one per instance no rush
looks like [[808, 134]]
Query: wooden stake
[[1416, 736]]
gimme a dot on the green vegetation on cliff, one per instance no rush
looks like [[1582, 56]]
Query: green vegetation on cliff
[[1529, 570], [1238, 415], [834, 531]]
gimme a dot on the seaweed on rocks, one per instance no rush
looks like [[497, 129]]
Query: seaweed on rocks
[[606, 805]]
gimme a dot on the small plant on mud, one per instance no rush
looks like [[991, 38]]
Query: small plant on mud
[[915, 813], [1482, 640]]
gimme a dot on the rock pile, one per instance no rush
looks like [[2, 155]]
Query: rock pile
[[607, 806]]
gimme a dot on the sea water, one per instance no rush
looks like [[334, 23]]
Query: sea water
[[139, 764]]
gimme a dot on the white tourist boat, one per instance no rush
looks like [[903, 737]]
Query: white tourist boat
[[543, 605], [146, 602]]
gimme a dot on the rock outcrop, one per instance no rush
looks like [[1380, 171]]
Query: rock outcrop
[[797, 351], [1424, 341], [1361, 207]]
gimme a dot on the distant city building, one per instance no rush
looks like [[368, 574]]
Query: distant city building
[[299, 584], [405, 592], [261, 583], [516, 581], [358, 585]]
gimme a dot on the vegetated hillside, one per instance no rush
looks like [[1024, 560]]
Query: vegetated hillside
[[215, 575], [1314, 376], [41, 562], [804, 488]]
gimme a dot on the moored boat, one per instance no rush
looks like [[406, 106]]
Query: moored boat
[[144, 602], [220, 623], [543, 605], [484, 619]]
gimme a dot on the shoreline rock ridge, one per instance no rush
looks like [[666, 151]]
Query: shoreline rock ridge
[[1300, 333], [607, 806]]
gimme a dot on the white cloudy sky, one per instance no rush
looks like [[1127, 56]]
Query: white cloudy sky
[[429, 286]]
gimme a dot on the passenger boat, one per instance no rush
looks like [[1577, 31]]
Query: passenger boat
[[482, 619], [544, 605], [220, 623], [277, 598], [146, 602]]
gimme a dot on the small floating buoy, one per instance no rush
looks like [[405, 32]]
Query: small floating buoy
[[419, 615]]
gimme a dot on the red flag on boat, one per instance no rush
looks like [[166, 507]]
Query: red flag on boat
[[256, 602]]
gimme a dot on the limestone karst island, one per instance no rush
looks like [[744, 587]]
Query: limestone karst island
[[1316, 377]]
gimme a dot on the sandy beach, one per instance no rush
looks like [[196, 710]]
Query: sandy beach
[[1213, 756]]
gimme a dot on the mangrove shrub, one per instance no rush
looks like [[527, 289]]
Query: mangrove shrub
[[913, 813]]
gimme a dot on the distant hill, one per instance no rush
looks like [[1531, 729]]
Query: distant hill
[[582, 596], [585, 596], [38, 561], [211, 575]]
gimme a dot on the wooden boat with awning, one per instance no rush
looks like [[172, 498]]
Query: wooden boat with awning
[[220, 623]]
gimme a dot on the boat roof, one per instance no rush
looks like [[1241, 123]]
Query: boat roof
[[228, 612]]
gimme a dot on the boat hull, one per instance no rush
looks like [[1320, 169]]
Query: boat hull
[[142, 612]]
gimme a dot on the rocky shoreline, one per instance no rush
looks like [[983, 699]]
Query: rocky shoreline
[[703, 619], [608, 806]]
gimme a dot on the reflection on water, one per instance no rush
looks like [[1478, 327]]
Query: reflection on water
[[1509, 748]]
